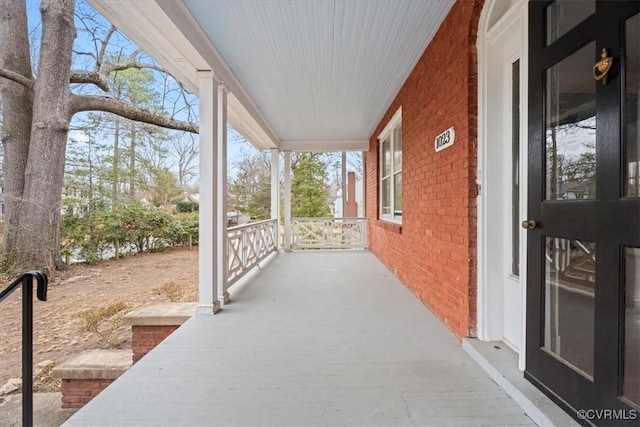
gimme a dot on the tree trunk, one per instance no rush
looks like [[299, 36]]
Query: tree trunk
[[16, 120], [132, 162], [116, 163], [39, 216]]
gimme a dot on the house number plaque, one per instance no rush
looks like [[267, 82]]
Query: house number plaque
[[445, 139]]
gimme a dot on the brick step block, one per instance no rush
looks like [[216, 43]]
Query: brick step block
[[87, 374], [153, 323]]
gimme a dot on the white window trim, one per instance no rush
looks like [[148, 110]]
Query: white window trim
[[395, 121]]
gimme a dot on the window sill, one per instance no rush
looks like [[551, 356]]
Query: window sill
[[389, 226]]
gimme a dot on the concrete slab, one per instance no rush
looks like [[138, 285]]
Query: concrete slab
[[94, 364], [168, 314], [317, 338], [501, 363], [46, 410]]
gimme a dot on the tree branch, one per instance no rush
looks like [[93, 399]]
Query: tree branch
[[18, 78], [81, 76], [100, 78], [82, 53], [121, 66], [80, 103], [103, 48]]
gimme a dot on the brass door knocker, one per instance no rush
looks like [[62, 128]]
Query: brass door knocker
[[602, 67]]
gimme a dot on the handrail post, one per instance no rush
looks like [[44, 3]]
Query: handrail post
[[26, 281], [27, 350]]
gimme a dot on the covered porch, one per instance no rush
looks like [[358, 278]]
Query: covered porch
[[312, 338]]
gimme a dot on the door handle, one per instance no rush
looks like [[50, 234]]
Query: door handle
[[602, 67], [529, 224]]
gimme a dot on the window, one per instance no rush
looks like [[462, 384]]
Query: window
[[391, 170]]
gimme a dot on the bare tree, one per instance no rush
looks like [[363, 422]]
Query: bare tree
[[37, 112], [184, 150]]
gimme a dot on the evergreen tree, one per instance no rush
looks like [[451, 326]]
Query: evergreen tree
[[308, 187]]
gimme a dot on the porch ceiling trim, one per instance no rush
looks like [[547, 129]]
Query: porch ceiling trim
[[352, 145]]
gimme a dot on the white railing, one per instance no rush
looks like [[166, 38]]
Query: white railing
[[329, 233], [249, 244]]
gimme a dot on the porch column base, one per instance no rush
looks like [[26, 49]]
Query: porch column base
[[225, 299], [208, 309]]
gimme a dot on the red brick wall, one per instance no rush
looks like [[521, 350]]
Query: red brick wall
[[77, 393], [145, 338], [434, 252]]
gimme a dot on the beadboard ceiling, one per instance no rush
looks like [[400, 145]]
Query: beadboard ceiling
[[316, 72]]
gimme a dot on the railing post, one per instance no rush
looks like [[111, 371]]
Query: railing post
[[287, 201], [244, 257]]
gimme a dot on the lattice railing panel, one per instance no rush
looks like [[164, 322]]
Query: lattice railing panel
[[248, 245], [329, 233]]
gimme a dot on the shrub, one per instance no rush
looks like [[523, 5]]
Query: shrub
[[173, 291], [132, 227], [187, 206], [104, 322]]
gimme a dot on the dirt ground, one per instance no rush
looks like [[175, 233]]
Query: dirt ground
[[135, 281]]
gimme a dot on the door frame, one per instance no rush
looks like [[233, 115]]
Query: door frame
[[497, 17]]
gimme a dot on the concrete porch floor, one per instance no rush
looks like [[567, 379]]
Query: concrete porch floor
[[315, 338]]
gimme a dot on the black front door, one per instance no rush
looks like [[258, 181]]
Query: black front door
[[583, 294]]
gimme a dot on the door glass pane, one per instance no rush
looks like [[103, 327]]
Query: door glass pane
[[386, 196], [397, 149], [563, 15], [386, 157], [569, 301], [515, 168], [632, 106], [397, 194], [571, 127], [632, 326]]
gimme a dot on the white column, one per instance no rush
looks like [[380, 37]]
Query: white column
[[287, 201], [207, 293], [220, 180], [275, 192], [344, 184], [364, 183]]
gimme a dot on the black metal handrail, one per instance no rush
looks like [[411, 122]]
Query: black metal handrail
[[26, 280]]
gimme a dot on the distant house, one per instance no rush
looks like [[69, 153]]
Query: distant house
[[75, 198], [237, 218]]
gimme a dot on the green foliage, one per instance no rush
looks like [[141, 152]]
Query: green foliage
[[132, 227], [165, 189], [308, 187], [187, 230], [187, 206]]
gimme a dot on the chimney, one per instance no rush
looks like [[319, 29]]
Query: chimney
[[352, 205]]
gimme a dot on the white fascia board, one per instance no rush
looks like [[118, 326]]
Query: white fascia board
[[240, 119], [181, 17], [151, 28], [350, 145]]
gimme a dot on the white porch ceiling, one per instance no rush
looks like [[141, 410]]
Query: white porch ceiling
[[303, 73]]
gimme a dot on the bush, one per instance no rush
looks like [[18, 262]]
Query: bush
[[131, 227], [104, 322], [187, 206]]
